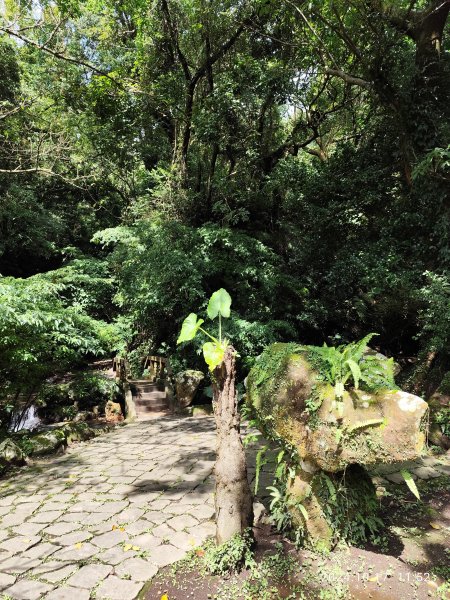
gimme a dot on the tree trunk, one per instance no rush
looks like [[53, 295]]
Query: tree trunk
[[234, 506]]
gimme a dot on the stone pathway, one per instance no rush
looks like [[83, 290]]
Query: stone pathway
[[99, 521]]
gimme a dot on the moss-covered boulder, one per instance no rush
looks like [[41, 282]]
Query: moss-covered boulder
[[48, 442], [10, 454], [186, 386], [295, 405]]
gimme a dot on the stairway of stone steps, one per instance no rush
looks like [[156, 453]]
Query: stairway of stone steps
[[149, 397]]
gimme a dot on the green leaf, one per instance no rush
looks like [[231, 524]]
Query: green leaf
[[303, 510], [356, 371], [410, 482], [189, 328], [219, 303], [213, 354]]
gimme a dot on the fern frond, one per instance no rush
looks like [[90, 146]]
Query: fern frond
[[363, 424]]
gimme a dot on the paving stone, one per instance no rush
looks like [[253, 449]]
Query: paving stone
[[166, 554], [19, 543], [6, 580], [203, 512], [162, 531], [129, 515], [28, 589], [86, 550], [114, 588], [138, 568], [157, 517], [183, 541], [54, 572], [68, 593], [110, 539], [139, 527], [28, 529], [146, 541], [18, 564], [12, 519], [72, 538], [181, 522], [89, 576], [116, 555], [42, 550], [62, 528], [46, 517]]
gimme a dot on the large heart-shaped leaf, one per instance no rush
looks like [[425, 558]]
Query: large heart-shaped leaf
[[213, 354], [219, 303], [189, 328]]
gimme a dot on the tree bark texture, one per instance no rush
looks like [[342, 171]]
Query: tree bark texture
[[234, 506]]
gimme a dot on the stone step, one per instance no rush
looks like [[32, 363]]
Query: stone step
[[141, 410], [160, 402], [148, 388], [150, 395]]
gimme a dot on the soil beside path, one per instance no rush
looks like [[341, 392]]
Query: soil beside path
[[102, 519]]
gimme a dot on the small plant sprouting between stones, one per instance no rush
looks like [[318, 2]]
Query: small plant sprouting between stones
[[219, 305]]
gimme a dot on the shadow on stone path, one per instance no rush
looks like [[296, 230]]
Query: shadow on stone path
[[100, 520]]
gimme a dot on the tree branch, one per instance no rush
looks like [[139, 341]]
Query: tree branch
[[350, 79]]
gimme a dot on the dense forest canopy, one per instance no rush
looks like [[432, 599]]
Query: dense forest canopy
[[296, 153]]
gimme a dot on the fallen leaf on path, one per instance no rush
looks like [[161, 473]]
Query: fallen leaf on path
[[435, 525], [375, 578], [127, 547], [78, 545], [114, 527], [136, 548]]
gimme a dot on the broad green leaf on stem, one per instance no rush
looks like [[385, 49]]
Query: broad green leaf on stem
[[189, 328], [213, 354], [410, 482], [219, 303]]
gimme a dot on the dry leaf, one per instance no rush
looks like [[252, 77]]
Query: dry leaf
[[375, 578], [78, 545], [435, 525], [114, 527], [127, 547], [136, 548]]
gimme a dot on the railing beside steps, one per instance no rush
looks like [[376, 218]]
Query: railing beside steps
[[142, 395]]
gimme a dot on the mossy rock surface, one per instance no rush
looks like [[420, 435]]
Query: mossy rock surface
[[47, 442], [294, 404]]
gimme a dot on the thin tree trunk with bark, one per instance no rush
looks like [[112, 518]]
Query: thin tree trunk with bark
[[234, 506]]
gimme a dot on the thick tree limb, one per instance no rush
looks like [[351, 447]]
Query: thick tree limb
[[350, 79]]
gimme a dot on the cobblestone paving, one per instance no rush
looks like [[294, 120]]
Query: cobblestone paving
[[99, 521]]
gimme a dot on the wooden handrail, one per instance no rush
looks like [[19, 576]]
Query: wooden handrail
[[157, 366]]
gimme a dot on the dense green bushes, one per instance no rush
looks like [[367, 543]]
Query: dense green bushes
[[40, 336]]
